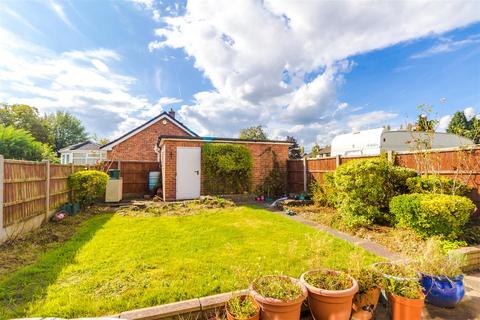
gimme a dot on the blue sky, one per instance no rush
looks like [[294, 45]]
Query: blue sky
[[308, 69]]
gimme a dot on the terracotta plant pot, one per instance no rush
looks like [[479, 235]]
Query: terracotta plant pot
[[404, 308], [275, 309], [366, 301], [330, 304], [255, 317]]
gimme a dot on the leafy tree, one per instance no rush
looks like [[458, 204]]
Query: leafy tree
[[22, 116], [65, 130], [463, 127], [101, 141], [315, 151], [294, 150], [20, 144], [253, 133], [423, 123]]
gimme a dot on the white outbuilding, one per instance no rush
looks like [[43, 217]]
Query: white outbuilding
[[374, 141]]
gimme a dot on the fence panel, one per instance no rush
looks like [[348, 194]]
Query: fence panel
[[459, 164], [135, 176], [24, 193]]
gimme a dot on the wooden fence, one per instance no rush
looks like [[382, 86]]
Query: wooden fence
[[30, 192], [459, 164]]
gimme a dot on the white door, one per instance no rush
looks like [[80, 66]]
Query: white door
[[188, 172]]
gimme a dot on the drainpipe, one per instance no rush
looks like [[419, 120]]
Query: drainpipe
[[305, 174]]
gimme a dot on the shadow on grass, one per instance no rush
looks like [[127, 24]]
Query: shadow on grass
[[30, 283]]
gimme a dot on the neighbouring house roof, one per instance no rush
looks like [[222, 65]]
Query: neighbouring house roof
[[85, 145], [216, 139], [325, 150], [147, 124]]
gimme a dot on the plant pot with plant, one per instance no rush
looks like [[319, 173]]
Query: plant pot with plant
[[370, 282], [330, 293], [405, 298], [242, 307], [279, 297], [441, 275], [396, 270]]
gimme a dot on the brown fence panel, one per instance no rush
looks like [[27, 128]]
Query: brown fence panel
[[459, 164], [135, 176], [24, 190]]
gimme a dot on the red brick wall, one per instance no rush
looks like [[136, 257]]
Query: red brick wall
[[262, 163], [141, 145]]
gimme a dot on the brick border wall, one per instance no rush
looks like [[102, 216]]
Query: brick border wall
[[262, 162]]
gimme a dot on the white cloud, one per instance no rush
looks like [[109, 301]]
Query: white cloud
[[150, 6], [81, 82], [58, 9], [369, 119], [168, 100], [248, 48], [447, 45], [469, 112], [443, 123]]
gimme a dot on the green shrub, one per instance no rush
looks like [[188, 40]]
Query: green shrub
[[437, 184], [364, 188], [87, 186], [227, 168], [432, 214], [323, 194]]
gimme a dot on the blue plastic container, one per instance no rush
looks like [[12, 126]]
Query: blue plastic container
[[153, 180], [443, 291]]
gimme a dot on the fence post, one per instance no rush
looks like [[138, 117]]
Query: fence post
[[337, 161], [390, 157], [47, 189], [1, 191], [304, 174]]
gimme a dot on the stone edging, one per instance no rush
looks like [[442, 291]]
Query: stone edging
[[186, 307]]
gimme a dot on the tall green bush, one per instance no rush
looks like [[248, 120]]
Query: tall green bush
[[323, 194], [364, 188], [87, 186], [227, 168], [432, 214], [20, 144], [437, 184]]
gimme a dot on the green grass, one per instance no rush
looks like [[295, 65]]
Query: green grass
[[116, 263]]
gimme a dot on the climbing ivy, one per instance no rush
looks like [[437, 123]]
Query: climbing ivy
[[227, 168]]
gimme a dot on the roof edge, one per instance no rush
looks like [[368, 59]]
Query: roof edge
[[150, 122], [219, 139]]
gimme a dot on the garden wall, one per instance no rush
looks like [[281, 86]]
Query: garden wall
[[460, 164]]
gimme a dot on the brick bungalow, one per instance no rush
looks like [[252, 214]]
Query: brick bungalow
[[177, 150]]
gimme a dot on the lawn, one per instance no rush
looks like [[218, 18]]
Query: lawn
[[115, 263]]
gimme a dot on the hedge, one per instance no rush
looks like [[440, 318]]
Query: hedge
[[87, 186], [227, 168], [364, 188], [323, 194], [432, 214], [437, 184]]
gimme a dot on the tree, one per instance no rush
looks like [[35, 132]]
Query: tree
[[463, 127], [22, 116], [294, 150], [459, 124], [315, 151], [65, 130], [253, 133], [423, 123], [20, 144], [101, 141]]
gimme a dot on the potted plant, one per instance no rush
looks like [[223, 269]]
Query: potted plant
[[405, 298], [279, 297], [441, 275], [396, 270], [330, 293], [370, 282], [242, 307]]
